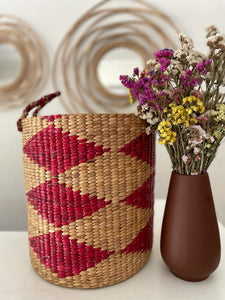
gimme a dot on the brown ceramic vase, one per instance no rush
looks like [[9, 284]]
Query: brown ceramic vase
[[190, 241]]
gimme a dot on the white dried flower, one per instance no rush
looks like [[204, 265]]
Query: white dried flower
[[176, 67], [194, 172], [211, 30], [212, 140], [151, 118], [152, 121], [149, 115], [144, 107], [180, 53], [215, 38], [148, 130], [194, 57], [221, 45], [167, 92], [186, 42], [151, 62], [216, 42]]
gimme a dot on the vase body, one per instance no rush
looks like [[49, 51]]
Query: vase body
[[190, 241]]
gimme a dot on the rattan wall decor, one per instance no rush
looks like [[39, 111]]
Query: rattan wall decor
[[89, 181], [34, 68], [132, 24]]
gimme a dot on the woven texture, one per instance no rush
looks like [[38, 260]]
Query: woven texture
[[89, 181], [108, 25]]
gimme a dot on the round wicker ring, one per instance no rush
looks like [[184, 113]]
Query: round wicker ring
[[132, 24], [34, 67]]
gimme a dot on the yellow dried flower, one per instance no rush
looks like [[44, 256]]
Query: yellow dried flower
[[217, 134], [172, 104], [170, 138], [131, 99], [195, 103], [219, 113], [189, 110], [166, 135], [208, 145], [164, 126], [180, 115]]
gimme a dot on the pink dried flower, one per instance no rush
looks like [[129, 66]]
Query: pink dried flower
[[204, 67], [166, 53], [164, 63], [188, 72], [136, 72], [200, 67], [197, 157], [202, 118], [189, 82], [185, 159], [197, 94], [208, 62], [163, 57], [176, 95], [196, 150], [196, 135]]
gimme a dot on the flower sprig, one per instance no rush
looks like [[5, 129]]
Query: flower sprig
[[180, 95]]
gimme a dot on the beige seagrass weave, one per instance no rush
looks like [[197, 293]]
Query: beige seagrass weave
[[89, 181]]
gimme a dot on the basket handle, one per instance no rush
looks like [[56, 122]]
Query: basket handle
[[38, 104]]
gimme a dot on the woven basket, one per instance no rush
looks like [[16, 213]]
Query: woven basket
[[89, 181]]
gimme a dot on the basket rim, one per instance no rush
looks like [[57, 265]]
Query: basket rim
[[83, 114]]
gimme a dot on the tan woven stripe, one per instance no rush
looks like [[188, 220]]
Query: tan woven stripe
[[100, 178], [36, 224], [99, 128], [34, 174], [97, 230], [106, 173], [102, 129], [112, 270], [114, 232]]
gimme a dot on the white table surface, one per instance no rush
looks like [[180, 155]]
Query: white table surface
[[18, 281]]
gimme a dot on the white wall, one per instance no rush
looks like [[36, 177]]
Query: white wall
[[51, 19]]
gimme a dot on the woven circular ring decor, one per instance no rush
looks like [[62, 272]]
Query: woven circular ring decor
[[34, 62], [109, 25], [89, 181]]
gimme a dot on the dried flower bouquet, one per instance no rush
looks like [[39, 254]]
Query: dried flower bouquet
[[181, 96]]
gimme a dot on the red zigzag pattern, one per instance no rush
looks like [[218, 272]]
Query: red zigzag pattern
[[69, 207], [64, 256], [62, 153]]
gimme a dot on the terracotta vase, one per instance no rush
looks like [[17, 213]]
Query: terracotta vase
[[190, 241]]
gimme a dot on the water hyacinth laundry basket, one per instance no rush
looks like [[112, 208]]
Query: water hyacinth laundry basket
[[89, 181]]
